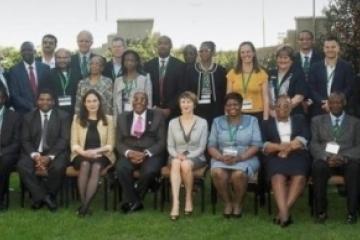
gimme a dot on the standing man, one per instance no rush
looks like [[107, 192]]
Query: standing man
[[63, 82], [48, 46], [167, 75], [45, 139], [80, 61], [26, 79], [329, 75], [112, 68]]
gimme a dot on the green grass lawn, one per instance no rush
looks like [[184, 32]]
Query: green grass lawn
[[18, 223]]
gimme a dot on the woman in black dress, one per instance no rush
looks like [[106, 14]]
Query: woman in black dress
[[286, 158], [92, 143]]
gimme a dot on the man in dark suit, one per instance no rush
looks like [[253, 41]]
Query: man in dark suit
[[329, 75], [9, 144], [140, 144], [112, 68], [26, 79], [335, 147], [48, 46], [80, 61], [167, 75], [62, 82], [45, 140]]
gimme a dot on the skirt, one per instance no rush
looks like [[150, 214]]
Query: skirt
[[103, 161]]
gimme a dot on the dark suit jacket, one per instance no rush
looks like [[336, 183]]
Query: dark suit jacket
[[55, 86], [349, 139], [58, 135], [153, 138], [76, 68], [343, 81], [10, 133], [109, 71], [22, 96], [315, 57], [173, 82], [297, 84]]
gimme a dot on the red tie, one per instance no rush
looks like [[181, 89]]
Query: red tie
[[32, 79]]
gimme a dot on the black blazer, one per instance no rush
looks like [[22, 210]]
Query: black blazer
[[343, 81], [297, 84], [55, 86], [76, 68], [10, 133], [21, 94], [153, 138], [58, 135], [109, 71], [173, 82], [315, 57]]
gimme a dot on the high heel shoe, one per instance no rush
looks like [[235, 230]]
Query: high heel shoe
[[174, 217], [188, 212], [286, 223]]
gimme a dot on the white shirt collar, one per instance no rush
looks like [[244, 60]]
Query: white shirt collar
[[143, 115], [164, 59], [48, 113], [28, 65], [51, 63], [303, 55]]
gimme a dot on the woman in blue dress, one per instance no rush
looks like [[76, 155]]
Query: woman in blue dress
[[233, 144]]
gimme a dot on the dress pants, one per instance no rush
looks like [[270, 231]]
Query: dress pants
[[7, 163], [321, 172], [149, 169], [51, 184]]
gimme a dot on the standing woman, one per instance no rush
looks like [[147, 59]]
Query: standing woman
[[287, 79], [97, 81], [233, 144], [92, 144], [132, 80], [208, 81], [186, 143], [251, 81]]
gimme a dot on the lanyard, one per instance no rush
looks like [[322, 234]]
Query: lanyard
[[130, 86], [246, 83], [64, 81], [232, 132]]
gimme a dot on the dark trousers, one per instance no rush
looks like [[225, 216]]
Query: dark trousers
[[7, 163], [321, 173], [51, 184], [149, 169]]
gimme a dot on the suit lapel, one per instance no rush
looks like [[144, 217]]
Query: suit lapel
[[129, 122], [275, 130], [149, 119]]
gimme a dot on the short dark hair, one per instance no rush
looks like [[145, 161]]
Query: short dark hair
[[117, 39], [338, 94], [102, 59], [209, 44], [289, 51], [166, 38], [188, 95], [234, 96], [331, 38], [308, 32], [50, 36], [189, 47], [137, 59], [46, 91], [84, 114]]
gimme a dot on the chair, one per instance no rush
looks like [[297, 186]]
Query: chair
[[70, 183], [199, 180]]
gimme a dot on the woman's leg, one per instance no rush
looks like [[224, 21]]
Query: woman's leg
[[278, 183], [83, 179], [239, 182], [188, 179], [221, 181], [296, 188], [93, 183], [175, 180]]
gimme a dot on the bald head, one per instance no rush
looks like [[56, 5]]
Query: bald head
[[84, 41]]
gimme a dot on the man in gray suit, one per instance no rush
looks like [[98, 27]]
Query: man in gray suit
[[335, 147], [140, 143]]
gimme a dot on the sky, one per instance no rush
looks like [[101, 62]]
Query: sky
[[226, 22]]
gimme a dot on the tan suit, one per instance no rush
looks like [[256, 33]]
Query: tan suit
[[107, 137]]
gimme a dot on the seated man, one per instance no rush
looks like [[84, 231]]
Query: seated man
[[9, 144], [335, 147], [45, 139], [140, 144]]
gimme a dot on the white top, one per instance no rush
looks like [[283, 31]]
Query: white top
[[51, 63], [284, 129], [330, 72]]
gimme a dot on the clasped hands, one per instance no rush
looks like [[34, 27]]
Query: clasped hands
[[336, 160], [92, 153], [41, 162], [136, 157], [285, 149]]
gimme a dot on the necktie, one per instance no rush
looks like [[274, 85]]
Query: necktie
[[84, 66], [32, 80], [162, 71], [44, 133], [306, 66], [138, 128], [336, 128]]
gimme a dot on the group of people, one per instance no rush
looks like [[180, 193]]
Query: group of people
[[128, 115]]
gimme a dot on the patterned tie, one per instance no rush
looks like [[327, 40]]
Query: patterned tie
[[306, 66], [84, 66], [32, 80], [138, 127], [44, 132], [162, 71]]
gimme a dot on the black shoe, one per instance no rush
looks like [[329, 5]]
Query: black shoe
[[351, 219], [125, 207], [137, 206], [286, 223], [37, 205], [51, 205], [321, 218]]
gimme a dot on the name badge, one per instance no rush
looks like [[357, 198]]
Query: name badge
[[205, 99], [247, 104], [230, 151], [332, 148], [64, 101], [127, 107]]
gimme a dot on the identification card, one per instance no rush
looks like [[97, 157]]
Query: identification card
[[332, 148], [64, 101], [230, 151], [127, 107], [247, 105], [205, 99]]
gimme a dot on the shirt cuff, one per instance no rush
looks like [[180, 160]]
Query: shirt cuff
[[33, 154], [52, 157], [264, 146], [126, 153], [148, 153], [302, 140]]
